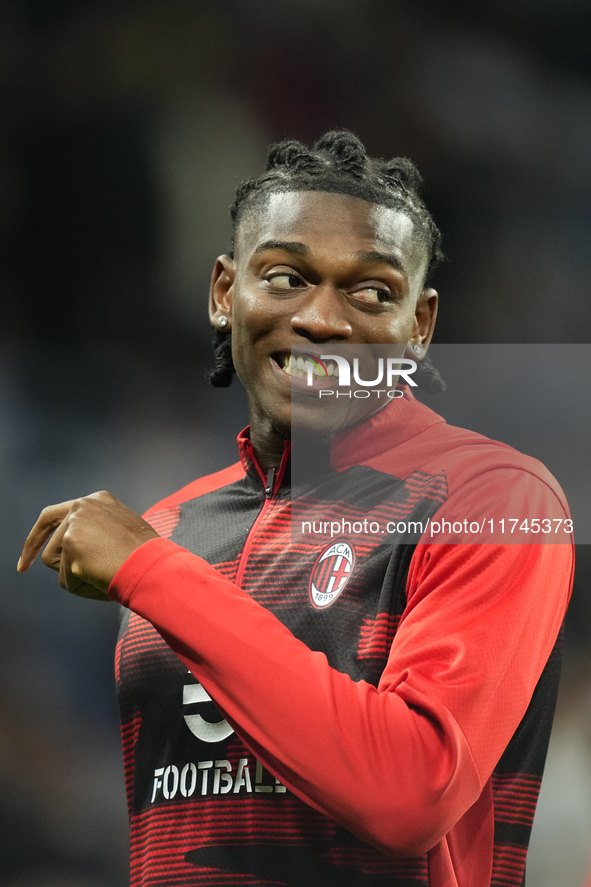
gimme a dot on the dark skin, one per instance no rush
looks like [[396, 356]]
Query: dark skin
[[312, 269]]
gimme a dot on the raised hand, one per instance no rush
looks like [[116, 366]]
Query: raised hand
[[91, 537]]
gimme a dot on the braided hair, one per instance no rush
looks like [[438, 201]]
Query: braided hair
[[337, 163]]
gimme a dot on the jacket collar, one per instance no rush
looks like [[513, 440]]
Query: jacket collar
[[398, 422], [401, 420]]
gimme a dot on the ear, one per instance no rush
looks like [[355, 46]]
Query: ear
[[221, 291], [424, 322]]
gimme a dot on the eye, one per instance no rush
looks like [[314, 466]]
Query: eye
[[373, 294], [284, 281]]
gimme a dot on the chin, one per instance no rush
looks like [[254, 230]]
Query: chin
[[313, 423], [324, 419]]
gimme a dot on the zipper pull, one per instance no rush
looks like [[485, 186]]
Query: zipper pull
[[270, 483]]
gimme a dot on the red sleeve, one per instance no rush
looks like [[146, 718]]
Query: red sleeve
[[503, 605], [480, 624]]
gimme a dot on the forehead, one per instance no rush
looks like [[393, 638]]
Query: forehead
[[342, 224]]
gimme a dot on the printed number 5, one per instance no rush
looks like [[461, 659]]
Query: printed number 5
[[202, 729]]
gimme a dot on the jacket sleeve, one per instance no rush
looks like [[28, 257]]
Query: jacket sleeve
[[400, 763]]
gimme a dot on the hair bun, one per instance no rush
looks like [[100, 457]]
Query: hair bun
[[286, 153], [403, 172], [346, 149]]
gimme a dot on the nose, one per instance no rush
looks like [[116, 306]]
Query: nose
[[322, 315]]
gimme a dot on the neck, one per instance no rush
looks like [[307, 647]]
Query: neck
[[310, 452], [268, 448]]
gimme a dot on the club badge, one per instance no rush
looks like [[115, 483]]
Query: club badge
[[331, 572]]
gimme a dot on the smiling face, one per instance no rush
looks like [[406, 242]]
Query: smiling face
[[314, 269]]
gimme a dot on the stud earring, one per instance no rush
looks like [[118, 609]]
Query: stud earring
[[417, 349], [222, 321]]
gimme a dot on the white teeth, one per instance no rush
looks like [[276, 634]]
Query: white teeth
[[300, 367]]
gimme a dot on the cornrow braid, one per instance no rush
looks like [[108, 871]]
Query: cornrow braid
[[223, 371], [428, 377], [336, 163]]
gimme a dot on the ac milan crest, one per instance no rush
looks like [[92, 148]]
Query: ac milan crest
[[331, 573]]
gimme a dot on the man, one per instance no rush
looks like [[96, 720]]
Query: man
[[383, 707]]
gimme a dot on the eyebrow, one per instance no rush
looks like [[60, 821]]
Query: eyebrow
[[373, 257], [288, 246], [366, 256]]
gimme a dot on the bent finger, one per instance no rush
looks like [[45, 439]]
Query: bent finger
[[48, 521], [52, 555]]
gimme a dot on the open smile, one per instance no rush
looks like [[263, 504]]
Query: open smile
[[306, 366]]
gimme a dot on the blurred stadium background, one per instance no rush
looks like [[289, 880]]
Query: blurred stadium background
[[126, 127]]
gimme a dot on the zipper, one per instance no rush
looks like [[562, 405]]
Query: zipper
[[272, 483]]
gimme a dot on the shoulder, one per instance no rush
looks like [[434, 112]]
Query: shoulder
[[428, 446], [469, 458]]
